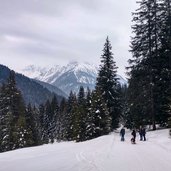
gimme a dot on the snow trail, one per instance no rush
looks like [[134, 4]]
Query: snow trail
[[106, 153]]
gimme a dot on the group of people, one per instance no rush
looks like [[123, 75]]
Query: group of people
[[142, 133]]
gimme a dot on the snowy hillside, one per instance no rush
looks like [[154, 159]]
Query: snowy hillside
[[106, 153], [67, 78]]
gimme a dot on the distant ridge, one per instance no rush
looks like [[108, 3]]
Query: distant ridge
[[32, 91]]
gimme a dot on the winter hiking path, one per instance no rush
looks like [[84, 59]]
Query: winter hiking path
[[106, 153]]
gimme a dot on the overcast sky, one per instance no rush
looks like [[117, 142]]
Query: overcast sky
[[55, 32]]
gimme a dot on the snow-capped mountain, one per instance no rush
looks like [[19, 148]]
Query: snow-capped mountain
[[67, 78]]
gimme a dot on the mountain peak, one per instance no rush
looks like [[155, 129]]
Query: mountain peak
[[82, 67], [69, 77]]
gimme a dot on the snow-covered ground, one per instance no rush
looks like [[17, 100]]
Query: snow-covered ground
[[106, 153]]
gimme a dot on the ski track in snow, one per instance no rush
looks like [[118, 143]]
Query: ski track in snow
[[106, 153]]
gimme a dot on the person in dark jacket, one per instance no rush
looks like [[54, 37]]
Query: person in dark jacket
[[143, 134], [133, 136], [122, 134]]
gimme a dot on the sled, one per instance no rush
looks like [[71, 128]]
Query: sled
[[132, 141]]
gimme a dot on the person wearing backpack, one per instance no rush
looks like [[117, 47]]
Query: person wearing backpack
[[122, 134]]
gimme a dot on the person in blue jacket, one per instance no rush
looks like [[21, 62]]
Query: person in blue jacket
[[122, 134], [143, 134]]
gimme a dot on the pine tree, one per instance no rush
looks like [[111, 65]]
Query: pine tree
[[37, 134], [48, 121], [90, 122], [137, 100], [20, 134], [32, 122], [76, 118], [69, 117], [124, 119], [143, 45], [55, 113], [43, 124], [82, 113], [90, 132], [61, 127], [14, 131], [5, 122], [164, 68], [100, 119], [150, 72], [107, 83], [19, 131]]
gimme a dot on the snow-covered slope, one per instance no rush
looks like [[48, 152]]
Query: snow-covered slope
[[67, 78], [106, 153]]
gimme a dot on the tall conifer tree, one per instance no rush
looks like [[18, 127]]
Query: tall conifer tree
[[13, 112], [107, 83], [149, 74]]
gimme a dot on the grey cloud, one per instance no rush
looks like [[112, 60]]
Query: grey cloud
[[31, 30]]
